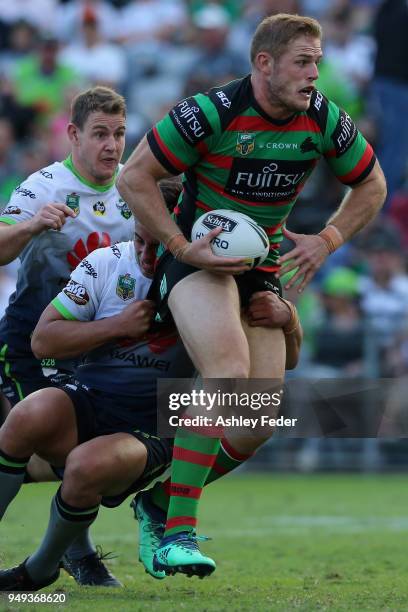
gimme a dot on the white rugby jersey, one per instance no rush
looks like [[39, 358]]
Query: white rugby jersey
[[103, 219], [102, 286]]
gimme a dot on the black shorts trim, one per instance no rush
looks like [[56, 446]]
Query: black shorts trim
[[169, 272]]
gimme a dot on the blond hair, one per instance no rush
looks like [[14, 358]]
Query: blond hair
[[274, 33]]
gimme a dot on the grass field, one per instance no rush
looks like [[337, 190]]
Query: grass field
[[281, 543]]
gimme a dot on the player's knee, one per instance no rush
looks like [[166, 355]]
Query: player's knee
[[24, 420], [83, 470], [227, 365]]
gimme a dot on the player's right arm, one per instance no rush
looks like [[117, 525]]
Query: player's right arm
[[15, 237], [29, 213], [67, 328], [61, 338]]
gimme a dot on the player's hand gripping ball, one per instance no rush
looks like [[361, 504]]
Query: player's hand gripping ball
[[240, 236]]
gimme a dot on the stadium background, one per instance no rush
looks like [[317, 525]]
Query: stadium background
[[282, 541], [155, 52]]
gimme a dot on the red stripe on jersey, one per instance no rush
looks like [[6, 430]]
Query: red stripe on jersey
[[220, 161], [330, 153], [178, 489], [258, 124], [177, 163], [230, 450], [268, 268], [203, 206], [202, 148], [178, 521], [183, 454], [361, 166]]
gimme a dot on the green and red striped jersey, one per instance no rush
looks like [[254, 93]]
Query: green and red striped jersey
[[235, 156]]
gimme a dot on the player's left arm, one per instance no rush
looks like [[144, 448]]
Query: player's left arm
[[353, 161], [266, 309], [359, 206]]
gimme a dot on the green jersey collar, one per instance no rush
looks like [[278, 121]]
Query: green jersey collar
[[68, 163]]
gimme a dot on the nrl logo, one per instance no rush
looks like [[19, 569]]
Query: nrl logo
[[72, 201], [245, 143], [125, 288]]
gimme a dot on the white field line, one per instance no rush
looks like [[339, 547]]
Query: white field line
[[292, 526]]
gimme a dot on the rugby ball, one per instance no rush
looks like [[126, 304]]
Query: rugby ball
[[240, 236]]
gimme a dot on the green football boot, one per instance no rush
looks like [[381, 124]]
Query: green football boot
[[150, 531], [180, 553]]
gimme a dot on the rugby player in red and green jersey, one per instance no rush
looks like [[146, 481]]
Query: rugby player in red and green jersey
[[248, 146]]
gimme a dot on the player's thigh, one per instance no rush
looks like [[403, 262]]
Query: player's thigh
[[108, 464], [45, 421], [268, 354], [206, 310]]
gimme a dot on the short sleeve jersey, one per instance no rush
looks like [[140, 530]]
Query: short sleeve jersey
[[102, 286], [102, 219], [235, 156]]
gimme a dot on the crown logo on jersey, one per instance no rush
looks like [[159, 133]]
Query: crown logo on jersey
[[125, 288], [245, 143], [72, 201], [124, 209]]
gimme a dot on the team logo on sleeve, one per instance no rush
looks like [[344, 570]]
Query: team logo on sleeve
[[11, 210], [72, 201], [123, 209], [190, 121], [99, 208], [245, 143], [77, 293], [125, 288], [344, 134]]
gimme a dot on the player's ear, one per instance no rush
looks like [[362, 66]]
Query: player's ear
[[72, 132], [264, 62]]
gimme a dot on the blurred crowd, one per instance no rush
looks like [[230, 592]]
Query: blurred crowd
[[154, 52]]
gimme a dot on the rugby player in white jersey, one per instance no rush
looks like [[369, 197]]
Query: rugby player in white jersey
[[53, 220]]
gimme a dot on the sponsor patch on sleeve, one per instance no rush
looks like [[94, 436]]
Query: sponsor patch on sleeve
[[89, 269], [25, 193], [11, 210], [76, 292], [344, 134], [190, 121]]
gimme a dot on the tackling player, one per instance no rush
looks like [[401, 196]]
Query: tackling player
[[250, 146], [53, 220], [102, 427]]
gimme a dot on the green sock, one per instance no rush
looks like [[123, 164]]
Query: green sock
[[193, 458], [227, 460]]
